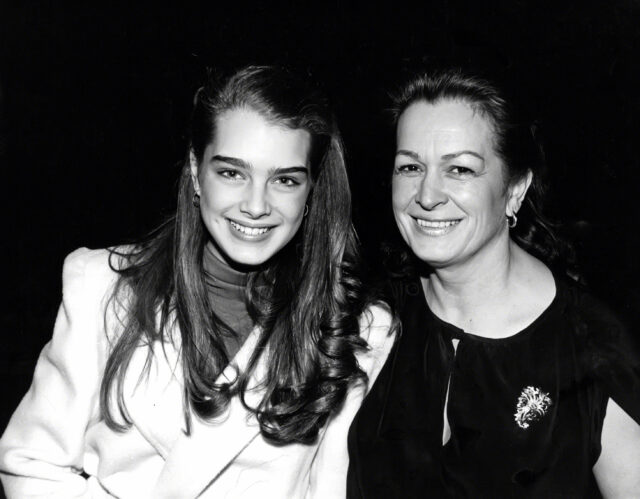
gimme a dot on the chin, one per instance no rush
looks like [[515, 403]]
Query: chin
[[432, 257], [250, 255], [248, 260], [432, 261]]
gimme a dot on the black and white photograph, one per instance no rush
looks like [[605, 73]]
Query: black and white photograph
[[320, 250]]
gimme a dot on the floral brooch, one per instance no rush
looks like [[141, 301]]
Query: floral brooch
[[533, 403]]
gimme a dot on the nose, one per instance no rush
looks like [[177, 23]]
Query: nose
[[255, 203], [431, 192]]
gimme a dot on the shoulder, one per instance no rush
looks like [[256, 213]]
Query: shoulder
[[377, 328], [90, 273], [85, 260], [98, 263], [590, 314], [594, 325], [376, 323], [610, 349]]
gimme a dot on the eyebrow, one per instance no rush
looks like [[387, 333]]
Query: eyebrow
[[411, 154], [289, 169], [241, 163], [446, 157], [454, 155]]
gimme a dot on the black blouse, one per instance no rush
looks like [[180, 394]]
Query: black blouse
[[525, 412]]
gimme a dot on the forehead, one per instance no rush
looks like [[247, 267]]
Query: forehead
[[448, 124], [246, 134]]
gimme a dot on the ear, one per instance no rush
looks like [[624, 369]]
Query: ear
[[193, 163], [517, 192]]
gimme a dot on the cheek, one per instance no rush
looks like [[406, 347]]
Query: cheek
[[215, 196], [497, 202], [402, 192], [486, 204], [292, 206]]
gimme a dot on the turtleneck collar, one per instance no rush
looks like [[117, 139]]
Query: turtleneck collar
[[226, 295], [221, 279]]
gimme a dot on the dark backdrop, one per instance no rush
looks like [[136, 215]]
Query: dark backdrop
[[95, 102]]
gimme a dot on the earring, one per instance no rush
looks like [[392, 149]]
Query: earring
[[306, 210], [196, 200], [512, 220]]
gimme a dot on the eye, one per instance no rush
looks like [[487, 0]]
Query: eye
[[408, 169], [287, 181], [461, 171], [230, 174]]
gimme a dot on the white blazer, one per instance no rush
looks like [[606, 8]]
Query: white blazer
[[56, 431]]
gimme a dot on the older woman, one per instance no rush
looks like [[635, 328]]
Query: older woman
[[218, 357], [507, 380]]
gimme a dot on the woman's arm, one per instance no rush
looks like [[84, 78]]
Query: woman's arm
[[328, 477], [617, 471], [41, 451]]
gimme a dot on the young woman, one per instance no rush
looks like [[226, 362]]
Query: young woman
[[218, 357], [507, 380]]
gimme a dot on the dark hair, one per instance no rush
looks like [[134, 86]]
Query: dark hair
[[516, 143], [309, 312]]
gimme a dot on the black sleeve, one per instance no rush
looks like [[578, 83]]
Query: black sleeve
[[614, 354]]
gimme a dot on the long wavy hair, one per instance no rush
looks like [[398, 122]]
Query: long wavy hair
[[516, 142], [307, 302]]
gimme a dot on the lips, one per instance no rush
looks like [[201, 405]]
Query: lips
[[249, 231], [436, 227], [437, 224]]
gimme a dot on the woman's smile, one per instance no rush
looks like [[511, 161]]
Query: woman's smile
[[250, 233], [448, 187], [253, 182], [436, 227]]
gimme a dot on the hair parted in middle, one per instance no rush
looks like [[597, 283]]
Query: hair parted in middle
[[307, 304]]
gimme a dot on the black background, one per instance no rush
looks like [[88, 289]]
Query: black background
[[95, 102]]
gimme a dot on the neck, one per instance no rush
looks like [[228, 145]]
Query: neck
[[457, 292], [219, 273]]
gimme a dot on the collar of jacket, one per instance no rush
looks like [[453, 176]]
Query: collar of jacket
[[193, 461]]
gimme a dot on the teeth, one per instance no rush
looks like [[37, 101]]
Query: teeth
[[436, 224], [249, 231]]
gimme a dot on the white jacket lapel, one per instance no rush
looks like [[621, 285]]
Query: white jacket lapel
[[154, 394], [196, 460]]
